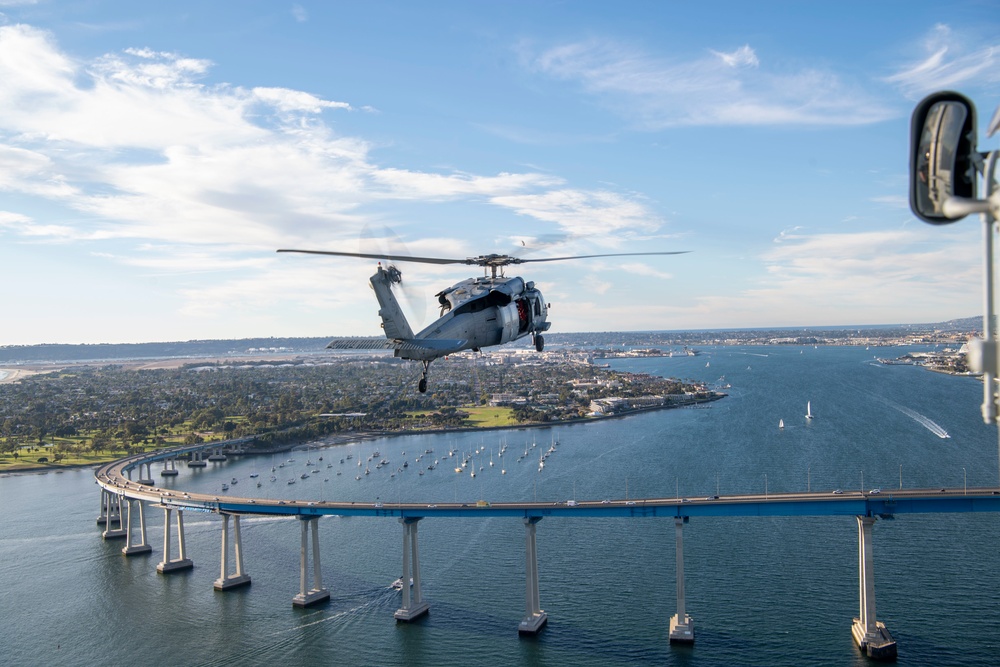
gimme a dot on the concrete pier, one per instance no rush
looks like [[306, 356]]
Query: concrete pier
[[169, 468], [110, 508], [227, 581], [413, 604], [317, 593], [681, 625], [196, 461], [217, 455], [146, 478], [133, 546], [182, 562], [871, 635], [534, 618], [114, 516]]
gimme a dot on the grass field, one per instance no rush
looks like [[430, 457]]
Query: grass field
[[487, 417], [27, 458]]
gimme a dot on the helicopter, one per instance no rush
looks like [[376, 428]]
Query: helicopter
[[475, 313]]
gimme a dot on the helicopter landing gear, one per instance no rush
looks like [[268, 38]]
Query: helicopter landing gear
[[422, 385], [539, 342]]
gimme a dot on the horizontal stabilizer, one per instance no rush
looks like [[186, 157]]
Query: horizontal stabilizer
[[442, 345], [410, 348], [373, 343]]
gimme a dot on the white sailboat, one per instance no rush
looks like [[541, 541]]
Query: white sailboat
[[781, 423], [809, 412]]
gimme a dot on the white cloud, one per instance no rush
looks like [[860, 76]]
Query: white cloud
[[741, 57], [601, 214], [22, 170], [641, 269], [949, 60], [299, 13], [284, 99], [872, 277], [721, 88], [406, 184], [166, 174]]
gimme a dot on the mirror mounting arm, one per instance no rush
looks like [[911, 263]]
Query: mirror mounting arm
[[982, 355], [959, 207]]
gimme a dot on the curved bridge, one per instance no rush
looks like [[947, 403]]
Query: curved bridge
[[119, 493]]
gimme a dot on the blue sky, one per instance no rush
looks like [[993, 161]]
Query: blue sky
[[154, 155]]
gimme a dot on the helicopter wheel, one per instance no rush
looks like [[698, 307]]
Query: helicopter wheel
[[539, 342], [422, 385]]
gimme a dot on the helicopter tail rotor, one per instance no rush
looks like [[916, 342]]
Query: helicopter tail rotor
[[386, 245], [394, 274]]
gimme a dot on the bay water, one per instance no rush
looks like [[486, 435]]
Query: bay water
[[761, 590]]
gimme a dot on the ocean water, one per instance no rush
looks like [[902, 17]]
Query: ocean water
[[762, 591]]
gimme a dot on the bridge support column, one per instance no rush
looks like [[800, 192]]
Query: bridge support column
[[534, 618], [109, 508], [132, 548], [114, 514], [196, 461], [681, 625], [182, 562], [169, 468], [413, 602], [317, 593], [146, 479], [871, 636], [226, 580]]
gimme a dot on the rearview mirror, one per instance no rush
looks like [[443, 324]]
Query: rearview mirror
[[942, 150]]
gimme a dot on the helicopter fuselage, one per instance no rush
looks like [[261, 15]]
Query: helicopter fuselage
[[489, 311]]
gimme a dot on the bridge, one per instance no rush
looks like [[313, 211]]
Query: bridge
[[122, 512]]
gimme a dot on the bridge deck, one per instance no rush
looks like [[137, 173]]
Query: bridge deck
[[852, 503]]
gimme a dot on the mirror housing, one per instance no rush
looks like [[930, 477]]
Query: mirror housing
[[942, 155]]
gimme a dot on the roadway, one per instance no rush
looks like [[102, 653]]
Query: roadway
[[114, 478]]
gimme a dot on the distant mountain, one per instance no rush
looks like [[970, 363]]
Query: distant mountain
[[961, 324]]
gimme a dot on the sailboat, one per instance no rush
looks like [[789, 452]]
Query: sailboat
[[809, 412], [781, 423]]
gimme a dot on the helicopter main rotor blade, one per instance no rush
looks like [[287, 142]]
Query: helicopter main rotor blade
[[517, 260], [395, 258], [482, 260]]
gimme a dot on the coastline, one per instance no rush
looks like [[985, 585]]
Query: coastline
[[343, 439]]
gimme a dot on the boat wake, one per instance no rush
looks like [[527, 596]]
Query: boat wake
[[926, 422], [274, 647]]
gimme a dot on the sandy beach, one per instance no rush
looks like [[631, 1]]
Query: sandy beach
[[15, 374]]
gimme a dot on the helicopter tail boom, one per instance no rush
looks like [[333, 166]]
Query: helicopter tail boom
[[393, 320]]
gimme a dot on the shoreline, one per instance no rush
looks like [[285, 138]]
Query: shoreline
[[340, 439]]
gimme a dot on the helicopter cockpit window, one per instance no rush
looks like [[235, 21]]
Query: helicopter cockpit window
[[497, 298], [473, 306], [538, 308]]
